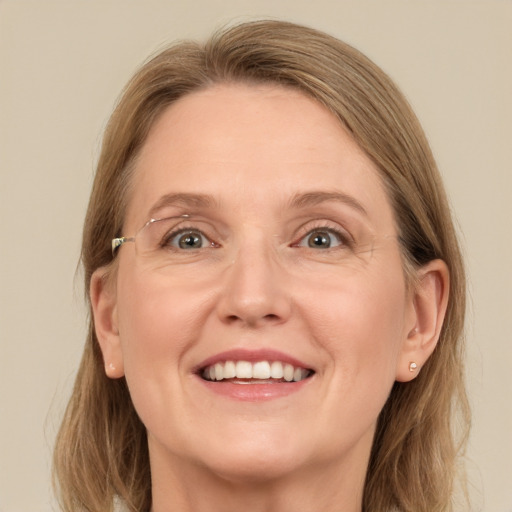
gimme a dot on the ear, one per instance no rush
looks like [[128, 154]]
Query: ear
[[428, 303], [104, 308]]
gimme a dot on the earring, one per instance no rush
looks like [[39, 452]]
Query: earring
[[111, 367], [412, 366]]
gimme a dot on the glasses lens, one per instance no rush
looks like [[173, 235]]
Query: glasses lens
[[172, 237]]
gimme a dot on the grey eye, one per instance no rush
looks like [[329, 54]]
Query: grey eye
[[189, 240]]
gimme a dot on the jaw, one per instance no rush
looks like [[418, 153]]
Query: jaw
[[259, 482]]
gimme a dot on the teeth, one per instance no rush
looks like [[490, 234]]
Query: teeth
[[260, 370], [229, 370], [276, 370], [288, 372], [243, 370], [219, 371]]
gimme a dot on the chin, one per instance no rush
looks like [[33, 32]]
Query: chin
[[254, 468], [252, 455]]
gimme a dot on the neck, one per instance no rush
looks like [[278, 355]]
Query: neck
[[188, 487]]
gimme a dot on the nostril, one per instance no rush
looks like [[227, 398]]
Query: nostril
[[249, 319], [249, 302]]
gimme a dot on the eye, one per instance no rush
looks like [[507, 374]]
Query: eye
[[187, 240], [322, 238]]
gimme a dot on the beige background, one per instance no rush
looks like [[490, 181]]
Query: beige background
[[62, 65]]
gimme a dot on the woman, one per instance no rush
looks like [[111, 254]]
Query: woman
[[276, 290]]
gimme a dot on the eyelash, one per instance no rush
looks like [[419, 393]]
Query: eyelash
[[345, 240], [168, 238]]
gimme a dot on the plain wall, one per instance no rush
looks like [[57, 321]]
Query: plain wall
[[62, 65]]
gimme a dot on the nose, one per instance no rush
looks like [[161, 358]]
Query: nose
[[255, 291]]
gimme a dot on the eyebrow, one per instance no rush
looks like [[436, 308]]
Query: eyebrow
[[315, 198], [307, 199], [184, 200]]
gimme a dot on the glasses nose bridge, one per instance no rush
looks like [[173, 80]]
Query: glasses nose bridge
[[254, 289], [255, 248]]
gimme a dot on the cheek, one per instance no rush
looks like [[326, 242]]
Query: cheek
[[157, 326], [359, 323], [156, 318]]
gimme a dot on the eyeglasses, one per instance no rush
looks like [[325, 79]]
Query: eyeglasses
[[172, 234], [162, 243]]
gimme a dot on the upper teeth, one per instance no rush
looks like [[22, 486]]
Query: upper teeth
[[256, 370]]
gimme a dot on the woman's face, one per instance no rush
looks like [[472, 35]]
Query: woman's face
[[283, 253]]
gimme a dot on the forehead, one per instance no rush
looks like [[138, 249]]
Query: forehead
[[251, 146]]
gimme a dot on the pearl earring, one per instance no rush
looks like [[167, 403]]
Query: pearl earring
[[412, 366]]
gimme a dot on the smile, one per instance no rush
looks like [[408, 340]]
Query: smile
[[258, 372]]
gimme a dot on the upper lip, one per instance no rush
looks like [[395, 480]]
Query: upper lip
[[252, 356]]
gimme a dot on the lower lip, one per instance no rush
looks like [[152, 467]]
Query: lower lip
[[254, 392]]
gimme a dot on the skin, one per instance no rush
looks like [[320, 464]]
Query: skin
[[346, 312]]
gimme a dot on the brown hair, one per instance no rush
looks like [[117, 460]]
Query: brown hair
[[101, 452]]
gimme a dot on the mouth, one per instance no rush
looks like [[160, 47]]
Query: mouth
[[254, 372]]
